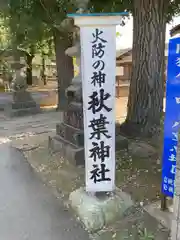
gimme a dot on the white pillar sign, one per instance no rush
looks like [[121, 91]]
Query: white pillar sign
[[98, 66], [99, 50]]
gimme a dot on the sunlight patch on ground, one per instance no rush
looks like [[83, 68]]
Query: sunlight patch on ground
[[48, 106], [4, 140], [16, 137]]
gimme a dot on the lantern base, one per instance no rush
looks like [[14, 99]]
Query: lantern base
[[21, 105], [69, 139]]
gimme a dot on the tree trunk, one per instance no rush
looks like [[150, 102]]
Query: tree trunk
[[145, 103], [43, 75], [65, 69], [29, 59]]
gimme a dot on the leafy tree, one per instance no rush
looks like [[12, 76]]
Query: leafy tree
[[5, 43], [145, 103], [53, 13], [4, 34], [150, 17], [23, 36], [46, 50], [37, 17], [28, 31]]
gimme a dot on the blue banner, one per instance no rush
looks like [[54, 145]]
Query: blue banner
[[172, 118]]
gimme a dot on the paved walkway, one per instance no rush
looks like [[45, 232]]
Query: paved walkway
[[28, 211], [29, 125]]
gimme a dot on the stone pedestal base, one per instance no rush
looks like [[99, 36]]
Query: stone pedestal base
[[22, 104], [67, 150], [96, 212], [69, 139], [73, 152]]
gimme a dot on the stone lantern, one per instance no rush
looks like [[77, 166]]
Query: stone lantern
[[69, 139]]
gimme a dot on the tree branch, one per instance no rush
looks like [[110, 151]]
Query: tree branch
[[47, 13]]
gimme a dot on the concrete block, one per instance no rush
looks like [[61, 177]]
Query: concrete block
[[115, 205], [163, 217], [96, 212], [177, 183]]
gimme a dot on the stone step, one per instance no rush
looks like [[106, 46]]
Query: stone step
[[67, 150], [71, 134], [76, 136], [9, 112], [22, 105], [74, 153]]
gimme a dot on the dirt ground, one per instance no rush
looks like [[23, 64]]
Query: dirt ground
[[138, 176], [121, 102], [51, 85]]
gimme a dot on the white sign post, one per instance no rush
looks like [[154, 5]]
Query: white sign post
[[98, 67]]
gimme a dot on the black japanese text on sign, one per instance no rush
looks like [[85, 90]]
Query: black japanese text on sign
[[100, 152]]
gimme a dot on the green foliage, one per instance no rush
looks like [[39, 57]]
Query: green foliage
[[127, 5], [27, 30], [5, 37], [29, 24], [173, 9], [23, 28], [110, 6], [118, 34], [145, 235], [32, 22]]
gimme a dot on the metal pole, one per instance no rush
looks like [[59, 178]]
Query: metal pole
[[175, 227], [164, 206]]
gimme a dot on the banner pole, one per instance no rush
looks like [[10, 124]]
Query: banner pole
[[164, 206]]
